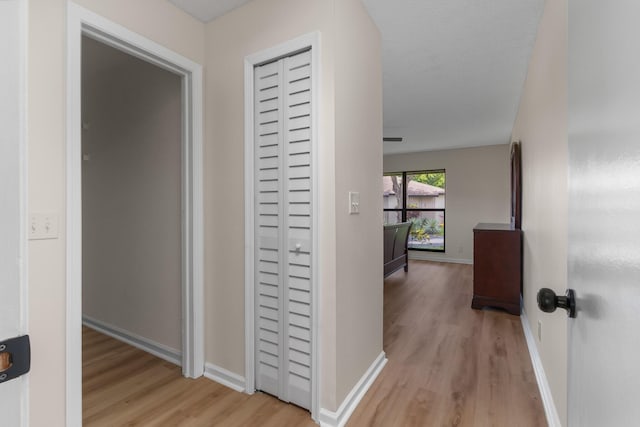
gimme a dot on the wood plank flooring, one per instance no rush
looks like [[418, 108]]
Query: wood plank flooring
[[448, 365], [124, 386]]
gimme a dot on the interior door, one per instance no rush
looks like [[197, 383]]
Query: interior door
[[604, 212], [12, 391], [283, 228]]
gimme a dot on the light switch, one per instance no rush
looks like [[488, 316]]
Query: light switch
[[43, 226], [354, 202]]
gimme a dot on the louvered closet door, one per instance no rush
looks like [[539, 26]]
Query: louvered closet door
[[283, 228]]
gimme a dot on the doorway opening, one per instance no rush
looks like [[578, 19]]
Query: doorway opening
[[133, 210], [131, 200]]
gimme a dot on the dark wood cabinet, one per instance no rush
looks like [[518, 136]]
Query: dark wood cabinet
[[497, 267]]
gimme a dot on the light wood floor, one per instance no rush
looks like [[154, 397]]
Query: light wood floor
[[448, 365], [124, 386]]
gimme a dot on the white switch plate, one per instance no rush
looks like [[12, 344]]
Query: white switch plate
[[354, 202], [43, 226]]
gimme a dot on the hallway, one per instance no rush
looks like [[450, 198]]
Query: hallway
[[449, 365]]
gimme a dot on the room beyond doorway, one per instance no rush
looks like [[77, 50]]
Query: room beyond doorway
[[131, 199]]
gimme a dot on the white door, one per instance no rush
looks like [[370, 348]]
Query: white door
[[12, 231], [283, 228], [604, 212]]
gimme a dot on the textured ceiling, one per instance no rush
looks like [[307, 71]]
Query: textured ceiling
[[453, 69]]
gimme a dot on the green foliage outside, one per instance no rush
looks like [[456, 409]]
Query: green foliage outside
[[436, 178], [423, 228]]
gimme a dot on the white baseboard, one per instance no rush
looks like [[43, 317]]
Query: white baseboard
[[543, 385], [224, 377], [428, 256], [341, 416], [159, 350]]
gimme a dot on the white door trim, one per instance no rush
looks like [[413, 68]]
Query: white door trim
[[24, 188], [81, 22], [311, 40], [14, 130]]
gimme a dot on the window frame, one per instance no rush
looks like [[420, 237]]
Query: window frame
[[403, 211]]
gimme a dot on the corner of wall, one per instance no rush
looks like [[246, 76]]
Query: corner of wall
[[358, 168]]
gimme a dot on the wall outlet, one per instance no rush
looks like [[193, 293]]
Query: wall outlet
[[43, 226], [539, 330]]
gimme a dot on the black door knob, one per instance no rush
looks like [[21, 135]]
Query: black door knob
[[548, 301]]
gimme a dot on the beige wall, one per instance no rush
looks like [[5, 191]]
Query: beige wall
[[160, 22], [131, 198], [157, 20], [541, 125], [259, 25], [358, 154], [477, 190], [46, 188]]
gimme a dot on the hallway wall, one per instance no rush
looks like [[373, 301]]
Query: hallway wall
[[349, 128], [46, 118], [258, 25], [541, 125], [358, 165]]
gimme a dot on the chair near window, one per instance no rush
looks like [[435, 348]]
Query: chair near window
[[396, 255]]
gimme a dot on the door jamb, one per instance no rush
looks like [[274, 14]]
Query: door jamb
[[20, 139], [81, 22], [23, 11], [312, 41]]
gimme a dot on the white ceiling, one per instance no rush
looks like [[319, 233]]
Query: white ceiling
[[206, 10], [453, 69]]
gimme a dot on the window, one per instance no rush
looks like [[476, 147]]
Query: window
[[421, 201]]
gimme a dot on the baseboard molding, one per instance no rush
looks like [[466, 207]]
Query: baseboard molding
[[341, 416], [159, 350], [224, 377], [543, 385], [427, 256]]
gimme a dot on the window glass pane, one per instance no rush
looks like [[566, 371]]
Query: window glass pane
[[425, 190], [427, 231], [392, 217], [419, 197], [392, 191]]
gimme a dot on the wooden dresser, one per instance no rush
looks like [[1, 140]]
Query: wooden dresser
[[497, 267]]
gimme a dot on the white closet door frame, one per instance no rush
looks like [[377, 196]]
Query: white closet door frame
[[307, 41]]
